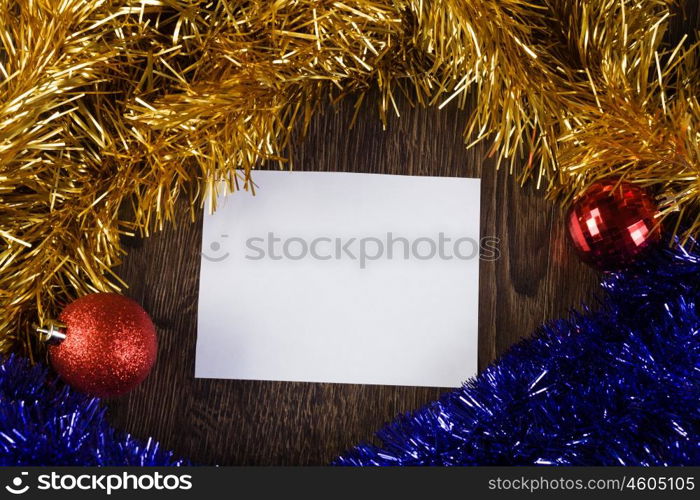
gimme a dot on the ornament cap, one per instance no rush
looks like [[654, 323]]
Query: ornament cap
[[55, 333]]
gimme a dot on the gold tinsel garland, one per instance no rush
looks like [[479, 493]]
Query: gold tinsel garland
[[113, 103]]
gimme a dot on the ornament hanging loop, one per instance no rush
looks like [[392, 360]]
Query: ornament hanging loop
[[54, 334]]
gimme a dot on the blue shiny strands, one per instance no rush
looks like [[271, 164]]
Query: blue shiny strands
[[620, 386], [43, 422]]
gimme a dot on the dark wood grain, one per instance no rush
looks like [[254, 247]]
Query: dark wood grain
[[246, 422]]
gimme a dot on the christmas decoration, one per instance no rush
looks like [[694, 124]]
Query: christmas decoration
[[132, 103], [108, 345], [616, 387], [43, 422], [612, 224]]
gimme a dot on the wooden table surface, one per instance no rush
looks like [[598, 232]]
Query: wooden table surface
[[231, 422]]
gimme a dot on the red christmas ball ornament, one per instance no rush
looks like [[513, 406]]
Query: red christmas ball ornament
[[612, 224], [106, 344]]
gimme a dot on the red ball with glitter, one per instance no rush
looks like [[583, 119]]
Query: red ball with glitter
[[109, 346], [612, 224]]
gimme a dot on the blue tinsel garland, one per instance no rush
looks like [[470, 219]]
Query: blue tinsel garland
[[43, 422], [620, 386]]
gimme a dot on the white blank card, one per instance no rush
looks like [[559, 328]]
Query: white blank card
[[339, 277]]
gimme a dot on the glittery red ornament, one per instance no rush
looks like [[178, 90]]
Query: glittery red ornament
[[109, 347], [612, 224]]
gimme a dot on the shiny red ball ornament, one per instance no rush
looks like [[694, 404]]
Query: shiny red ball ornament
[[109, 346], [612, 224]]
